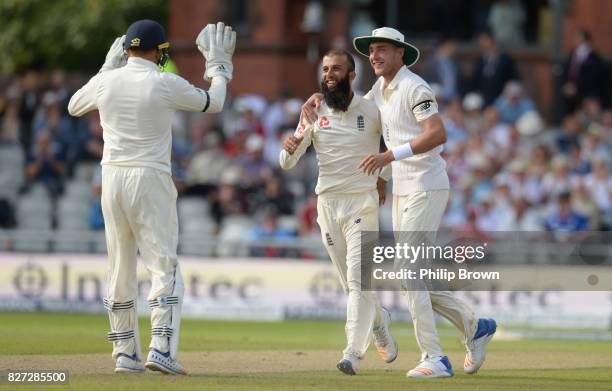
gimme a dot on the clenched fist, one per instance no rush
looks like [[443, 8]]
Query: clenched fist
[[291, 143]]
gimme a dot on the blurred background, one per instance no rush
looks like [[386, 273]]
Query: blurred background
[[524, 88]]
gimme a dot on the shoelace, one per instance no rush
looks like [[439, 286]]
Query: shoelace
[[381, 336]]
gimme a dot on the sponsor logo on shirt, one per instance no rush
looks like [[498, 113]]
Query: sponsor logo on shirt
[[299, 131], [423, 108], [330, 242], [324, 123], [360, 123]]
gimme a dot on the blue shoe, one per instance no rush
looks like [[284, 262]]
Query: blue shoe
[[348, 364], [432, 368], [476, 348]]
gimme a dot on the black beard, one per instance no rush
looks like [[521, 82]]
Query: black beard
[[338, 98]]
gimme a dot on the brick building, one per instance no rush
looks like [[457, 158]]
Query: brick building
[[275, 53]]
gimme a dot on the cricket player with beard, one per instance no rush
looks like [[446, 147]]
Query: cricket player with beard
[[347, 130], [414, 134], [137, 103]]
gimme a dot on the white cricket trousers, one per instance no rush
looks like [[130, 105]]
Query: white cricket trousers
[[422, 212], [139, 208], [341, 218]]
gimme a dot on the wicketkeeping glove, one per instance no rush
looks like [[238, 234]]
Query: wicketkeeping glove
[[217, 44], [115, 58]]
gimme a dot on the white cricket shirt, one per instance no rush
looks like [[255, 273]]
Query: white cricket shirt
[[405, 102], [137, 103], [342, 139]]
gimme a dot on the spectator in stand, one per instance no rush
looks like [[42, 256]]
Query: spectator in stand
[[275, 115], [93, 143], [494, 69], [230, 199], [513, 103], [249, 108], [206, 167], [524, 217], [499, 137], [472, 105], [274, 194], [592, 143], [28, 106], [7, 215], [274, 138], [59, 87], [10, 125], [583, 73], [452, 117], [254, 169], [565, 218], [559, 180], [96, 218], [598, 185], [52, 118], [307, 217], [442, 69], [582, 202], [590, 112], [46, 164], [506, 19], [570, 134], [268, 229]]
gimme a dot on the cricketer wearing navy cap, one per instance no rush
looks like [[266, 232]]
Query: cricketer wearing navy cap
[[137, 103], [146, 35]]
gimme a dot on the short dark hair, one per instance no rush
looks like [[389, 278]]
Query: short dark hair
[[341, 52], [584, 34]]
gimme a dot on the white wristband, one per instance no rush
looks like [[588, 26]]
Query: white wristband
[[402, 151]]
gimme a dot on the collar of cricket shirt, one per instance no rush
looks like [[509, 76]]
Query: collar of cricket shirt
[[399, 76], [142, 62]]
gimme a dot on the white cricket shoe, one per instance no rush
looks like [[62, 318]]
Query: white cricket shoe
[[349, 364], [476, 347], [162, 362], [384, 342], [432, 368], [127, 363]]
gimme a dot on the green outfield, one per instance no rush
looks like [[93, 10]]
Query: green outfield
[[293, 355]]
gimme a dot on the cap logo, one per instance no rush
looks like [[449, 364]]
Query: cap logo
[[135, 42]]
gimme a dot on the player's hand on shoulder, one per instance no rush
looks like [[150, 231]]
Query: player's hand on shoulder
[[291, 143], [311, 107]]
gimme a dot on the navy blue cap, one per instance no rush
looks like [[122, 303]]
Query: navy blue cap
[[146, 35]]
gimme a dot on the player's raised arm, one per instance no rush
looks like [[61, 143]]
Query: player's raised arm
[[85, 99], [217, 44]]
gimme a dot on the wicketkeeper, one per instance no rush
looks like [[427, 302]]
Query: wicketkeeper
[[137, 103]]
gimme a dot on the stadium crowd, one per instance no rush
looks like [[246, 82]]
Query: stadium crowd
[[509, 170]]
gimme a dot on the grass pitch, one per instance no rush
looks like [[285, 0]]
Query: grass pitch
[[293, 355]]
